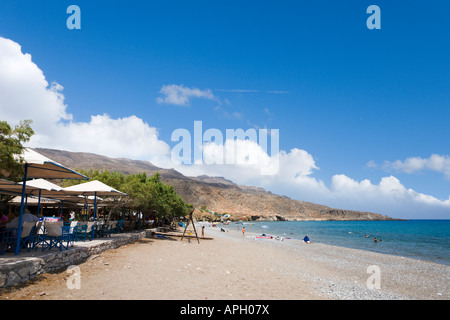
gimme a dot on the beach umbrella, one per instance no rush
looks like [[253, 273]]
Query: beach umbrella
[[39, 166], [14, 189], [47, 189], [95, 188]]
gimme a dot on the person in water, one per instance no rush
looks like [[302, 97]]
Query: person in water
[[306, 239]]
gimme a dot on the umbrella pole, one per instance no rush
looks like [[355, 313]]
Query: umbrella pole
[[39, 204], [19, 228], [95, 211], [95, 205]]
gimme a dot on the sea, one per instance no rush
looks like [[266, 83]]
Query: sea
[[427, 240]]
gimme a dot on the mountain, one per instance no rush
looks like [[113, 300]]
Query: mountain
[[215, 193]]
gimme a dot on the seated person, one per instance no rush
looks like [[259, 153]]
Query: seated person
[[27, 216]]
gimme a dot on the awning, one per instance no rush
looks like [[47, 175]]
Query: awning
[[14, 188], [94, 188], [40, 166]]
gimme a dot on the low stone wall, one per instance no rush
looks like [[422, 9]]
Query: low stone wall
[[17, 270]]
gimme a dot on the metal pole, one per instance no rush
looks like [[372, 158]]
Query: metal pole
[[95, 204], [19, 228], [39, 204], [62, 208], [95, 211]]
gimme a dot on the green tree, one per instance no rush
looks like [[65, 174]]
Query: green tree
[[11, 148], [149, 193]]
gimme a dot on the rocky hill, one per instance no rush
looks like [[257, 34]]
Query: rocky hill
[[215, 193]]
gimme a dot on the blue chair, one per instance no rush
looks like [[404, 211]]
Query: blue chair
[[85, 231], [101, 229], [67, 236], [112, 227], [80, 231], [28, 235], [55, 236], [120, 228], [8, 240], [39, 233]]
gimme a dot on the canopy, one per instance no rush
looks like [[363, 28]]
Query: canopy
[[94, 188], [41, 188], [40, 166], [46, 189], [13, 188], [43, 184]]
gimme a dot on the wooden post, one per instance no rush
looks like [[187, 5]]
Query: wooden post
[[187, 224]]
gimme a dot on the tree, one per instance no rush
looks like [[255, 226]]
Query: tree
[[149, 193], [11, 148]]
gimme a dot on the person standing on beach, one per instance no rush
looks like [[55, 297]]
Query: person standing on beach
[[203, 231], [243, 231]]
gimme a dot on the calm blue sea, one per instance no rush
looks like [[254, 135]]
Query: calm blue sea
[[420, 239]]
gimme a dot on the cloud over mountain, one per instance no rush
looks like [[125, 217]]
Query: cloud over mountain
[[26, 94]]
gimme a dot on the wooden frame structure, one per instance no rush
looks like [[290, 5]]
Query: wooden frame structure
[[191, 219]]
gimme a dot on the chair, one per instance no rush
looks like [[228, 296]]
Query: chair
[[39, 234], [8, 239], [84, 230], [72, 229], [80, 231], [120, 227], [101, 228], [109, 228], [55, 235], [27, 238], [112, 227], [67, 236]]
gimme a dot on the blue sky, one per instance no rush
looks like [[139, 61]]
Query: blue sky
[[355, 100]]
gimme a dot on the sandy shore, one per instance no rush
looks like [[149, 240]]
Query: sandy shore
[[239, 268]]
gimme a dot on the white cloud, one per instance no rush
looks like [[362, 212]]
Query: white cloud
[[24, 91], [127, 137], [295, 178], [181, 95], [435, 162], [26, 94], [390, 196]]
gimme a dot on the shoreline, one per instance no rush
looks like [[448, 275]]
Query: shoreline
[[234, 267], [389, 250], [345, 270]]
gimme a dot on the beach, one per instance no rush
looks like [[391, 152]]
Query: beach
[[232, 266]]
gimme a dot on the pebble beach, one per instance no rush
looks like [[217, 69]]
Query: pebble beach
[[233, 266]]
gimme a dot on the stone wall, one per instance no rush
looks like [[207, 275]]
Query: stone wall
[[17, 270]]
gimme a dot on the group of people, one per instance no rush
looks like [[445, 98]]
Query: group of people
[[375, 240], [13, 222]]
